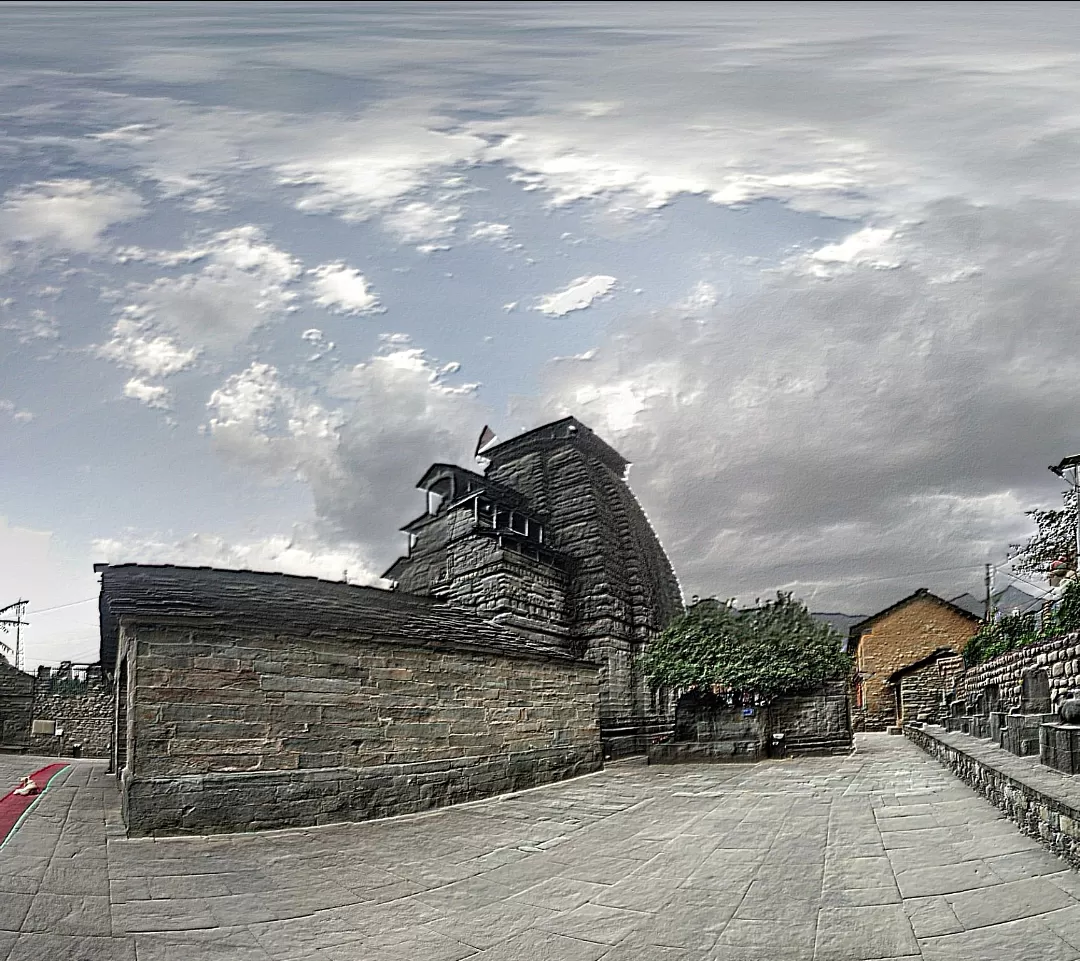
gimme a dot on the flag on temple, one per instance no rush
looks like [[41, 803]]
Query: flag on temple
[[487, 435]]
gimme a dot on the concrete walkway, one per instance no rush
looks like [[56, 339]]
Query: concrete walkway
[[879, 855]]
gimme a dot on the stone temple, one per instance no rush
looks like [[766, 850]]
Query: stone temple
[[504, 658], [551, 541]]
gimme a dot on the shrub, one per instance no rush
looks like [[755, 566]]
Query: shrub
[[770, 650]]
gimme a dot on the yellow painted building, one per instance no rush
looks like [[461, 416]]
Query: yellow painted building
[[900, 635]]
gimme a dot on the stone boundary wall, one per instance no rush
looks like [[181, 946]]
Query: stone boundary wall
[[1031, 802], [245, 730], [16, 706], [85, 718], [922, 689], [1059, 657], [215, 803], [816, 718]]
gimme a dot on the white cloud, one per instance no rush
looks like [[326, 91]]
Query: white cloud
[[577, 295], [156, 356], [257, 419], [703, 297], [317, 339], [413, 364], [301, 553], [863, 247], [244, 282], [17, 414], [363, 166], [423, 224], [858, 438], [492, 232], [66, 215], [381, 423], [343, 290], [39, 325], [582, 357], [153, 395]]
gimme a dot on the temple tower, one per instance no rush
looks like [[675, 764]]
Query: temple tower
[[550, 540]]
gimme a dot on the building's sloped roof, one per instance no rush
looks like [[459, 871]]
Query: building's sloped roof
[[838, 622], [921, 593], [970, 603], [297, 606]]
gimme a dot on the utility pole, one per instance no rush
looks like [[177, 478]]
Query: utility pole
[[989, 596], [17, 622]]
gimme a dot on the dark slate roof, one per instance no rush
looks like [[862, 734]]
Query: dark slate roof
[[921, 662], [494, 489], [838, 622], [970, 603], [920, 593], [299, 606]]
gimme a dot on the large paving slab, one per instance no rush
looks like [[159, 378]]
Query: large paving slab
[[880, 855]]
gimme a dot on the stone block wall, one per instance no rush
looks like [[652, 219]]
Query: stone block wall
[[1058, 657], [85, 718], [16, 706], [231, 731], [922, 691], [623, 590], [817, 718], [898, 638], [1036, 810], [528, 594]]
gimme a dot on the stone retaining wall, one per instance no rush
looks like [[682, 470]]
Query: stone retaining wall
[[1037, 809], [1059, 657]]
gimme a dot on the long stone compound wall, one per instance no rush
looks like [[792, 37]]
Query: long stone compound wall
[[1042, 803], [815, 721], [16, 706], [74, 698], [84, 718], [1058, 657], [249, 701]]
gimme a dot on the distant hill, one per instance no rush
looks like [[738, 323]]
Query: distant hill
[[1007, 600]]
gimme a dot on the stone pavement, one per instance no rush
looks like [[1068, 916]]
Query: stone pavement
[[879, 855]]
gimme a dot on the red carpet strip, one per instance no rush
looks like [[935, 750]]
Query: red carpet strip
[[14, 806]]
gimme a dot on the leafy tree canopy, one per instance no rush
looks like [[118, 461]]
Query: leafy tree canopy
[[1018, 630], [1055, 538], [769, 650]]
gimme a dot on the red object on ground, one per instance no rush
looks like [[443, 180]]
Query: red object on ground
[[13, 806]]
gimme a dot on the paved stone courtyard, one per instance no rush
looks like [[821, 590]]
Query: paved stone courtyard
[[879, 855]]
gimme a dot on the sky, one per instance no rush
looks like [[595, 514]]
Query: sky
[[810, 267]]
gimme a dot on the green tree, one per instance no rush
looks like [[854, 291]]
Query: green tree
[[1054, 538], [769, 650], [1018, 630]]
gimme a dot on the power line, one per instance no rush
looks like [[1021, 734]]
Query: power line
[[1024, 580], [897, 577], [60, 607]]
